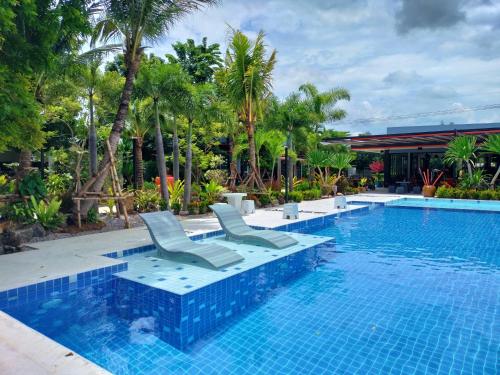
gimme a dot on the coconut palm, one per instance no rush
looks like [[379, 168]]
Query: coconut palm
[[140, 123], [246, 81], [492, 144], [131, 22], [322, 104], [462, 149], [260, 140]]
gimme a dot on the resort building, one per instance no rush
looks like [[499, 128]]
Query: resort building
[[406, 149]]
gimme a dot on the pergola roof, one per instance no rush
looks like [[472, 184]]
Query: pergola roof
[[436, 139]]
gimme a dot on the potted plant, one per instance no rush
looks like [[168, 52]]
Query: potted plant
[[377, 169], [429, 188]]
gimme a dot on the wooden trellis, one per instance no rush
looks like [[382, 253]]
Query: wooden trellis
[[116, 195]]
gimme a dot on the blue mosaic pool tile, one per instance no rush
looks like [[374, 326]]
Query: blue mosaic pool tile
[[28, 293]]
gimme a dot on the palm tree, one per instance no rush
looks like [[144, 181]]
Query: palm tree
[[260, 140], [155, 81], [140, 124], [197, 109], [322, 104], [131, 22], [462, 149], [90, 77], [247, 82], [492, 144], [275, 141]]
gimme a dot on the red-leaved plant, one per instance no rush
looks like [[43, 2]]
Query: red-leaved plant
[[377, 166]]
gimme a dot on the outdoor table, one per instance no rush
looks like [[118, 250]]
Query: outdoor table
[[234, 199], [404, 184]]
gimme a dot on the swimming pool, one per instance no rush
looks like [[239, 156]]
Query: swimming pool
[[403, 291], [445, 203]]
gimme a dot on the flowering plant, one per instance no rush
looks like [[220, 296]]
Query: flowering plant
[[377, 166]]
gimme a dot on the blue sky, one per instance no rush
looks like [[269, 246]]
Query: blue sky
[[394, 56]]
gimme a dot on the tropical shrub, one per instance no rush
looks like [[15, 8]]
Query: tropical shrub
[[264, 199], [47, 214], [18, 212], [92, 216], [203, 207], [149, 185], [176, 191], [193, 208], [302, 186], [476, 180], [459, 193], [32, 185], [212, 191], [58, 183], [218, 175], [147, 200], [311, 194], [296, 196], [176, 207]]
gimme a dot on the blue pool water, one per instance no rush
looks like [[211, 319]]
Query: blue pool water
[[404, 291], [454, 204]]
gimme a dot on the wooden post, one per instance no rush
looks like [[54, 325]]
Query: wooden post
[[78, 214], [116, 187]]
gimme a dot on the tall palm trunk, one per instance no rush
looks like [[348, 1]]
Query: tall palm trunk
[[139, 166], [290, 162], [278, 171], [92, 136], [175, 146], [160, 154], [24, 165], [252, 157], [494, 179], [133, 63], [232, 165], [187, 168]]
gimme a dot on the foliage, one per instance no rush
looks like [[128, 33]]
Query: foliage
[[311, 194], [213, 191], [199, 61], [32, 184], [459, 193], [363, 181], [218, 175], [147, 200], [476, 180], [296, 196], [176, 191], [47, 214], [492, 144], [462, 149], [302, 186], [4, 184], [58, 184], [341, 161], [264, 199], [193, 208], [92, 216], [18, 212], [176, 207]]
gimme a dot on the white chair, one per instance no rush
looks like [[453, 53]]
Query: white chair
[[340, 202]]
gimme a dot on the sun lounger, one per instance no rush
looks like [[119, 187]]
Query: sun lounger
[[171, 241], [236, 229]]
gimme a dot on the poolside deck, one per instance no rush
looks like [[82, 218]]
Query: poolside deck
[[54, 259]]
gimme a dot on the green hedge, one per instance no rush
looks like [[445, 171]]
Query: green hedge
[[312, 194], [457, 193]]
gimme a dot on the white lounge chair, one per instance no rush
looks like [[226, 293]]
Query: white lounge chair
[[236, 229], [171, 240]]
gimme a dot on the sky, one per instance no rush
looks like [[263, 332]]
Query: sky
[[396, 57]]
